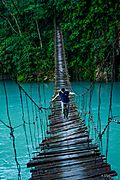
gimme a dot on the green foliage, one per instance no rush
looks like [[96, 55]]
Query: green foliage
[[90, 29], [27, 36], [26, 39]]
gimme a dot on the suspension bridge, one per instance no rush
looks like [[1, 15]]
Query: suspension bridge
[[68, 152], [65, 149]]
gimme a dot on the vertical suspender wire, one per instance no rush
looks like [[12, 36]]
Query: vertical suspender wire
[[110, 106], [36, 118], [23, 119], [77, 100], [99, 118], [86, 105], [82, 106], [44, 120], [33, 117], [90, 100], [79, 103], [29, 123], [110, 114], [11, 133], [45, 110], [40, 120], [94, 126]]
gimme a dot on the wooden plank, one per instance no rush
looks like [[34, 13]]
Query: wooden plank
[[85, 162], [50, 168], [61, 139], [101, 172], [72, 146], [73, 169], [67, 153], [61, 122], [63, 135], [75, 148], [82, 128], [38, 161], [83, 139], [68, 144], [68, 126], [64, 123]]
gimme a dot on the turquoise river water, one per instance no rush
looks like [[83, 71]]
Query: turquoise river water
[[8, 170]]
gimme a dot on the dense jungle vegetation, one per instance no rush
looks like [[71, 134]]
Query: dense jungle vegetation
[[90, 30]]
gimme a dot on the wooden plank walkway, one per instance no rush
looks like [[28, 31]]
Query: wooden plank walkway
[[68, 153]]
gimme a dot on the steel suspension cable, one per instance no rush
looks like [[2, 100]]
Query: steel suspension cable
[[4, 124], [29, 123], [40, 120], [109, 115], [86, 103], [45, 106], [12, 132], [99, 118], [30, 97], [90, 113], [37, 125], [24, 122], [33, 117], [83, 104]]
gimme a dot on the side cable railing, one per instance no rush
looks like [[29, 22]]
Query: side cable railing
[[11, 132], [34, 128], [86, 109]]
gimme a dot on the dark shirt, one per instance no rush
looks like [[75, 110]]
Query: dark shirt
[[64, 96]]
